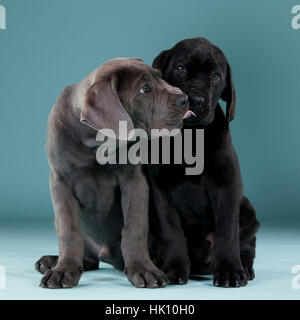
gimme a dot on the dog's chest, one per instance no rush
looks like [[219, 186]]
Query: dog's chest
[[190, 198], [95, 189], [192, 203]]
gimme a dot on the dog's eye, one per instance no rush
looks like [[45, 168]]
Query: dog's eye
[[146, 89], [180, 68], [216, 77]]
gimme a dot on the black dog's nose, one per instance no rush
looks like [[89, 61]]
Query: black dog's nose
[[182, 102], [199, 101]]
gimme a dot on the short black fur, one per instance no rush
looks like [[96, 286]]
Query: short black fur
[[207, 224]]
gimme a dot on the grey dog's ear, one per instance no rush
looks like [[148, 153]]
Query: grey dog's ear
[[228, 95], [162, 60], [102, 107]]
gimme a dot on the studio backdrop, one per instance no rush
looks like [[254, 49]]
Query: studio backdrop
[[47, 45]]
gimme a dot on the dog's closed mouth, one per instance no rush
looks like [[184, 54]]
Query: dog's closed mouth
[[188, 114]]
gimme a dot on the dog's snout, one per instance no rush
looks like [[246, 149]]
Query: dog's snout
[[199, 101], [182, 102]]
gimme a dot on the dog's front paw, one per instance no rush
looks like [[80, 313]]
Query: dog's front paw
[[61, 277], [230, 277], [177, 271], [46, 263], [146, 276]]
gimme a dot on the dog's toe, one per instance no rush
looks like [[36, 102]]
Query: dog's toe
[[147, 278], [177, 277], [177, 271], [46, 263], [247, 263], [57, 280], [230, 279], [249, 272]]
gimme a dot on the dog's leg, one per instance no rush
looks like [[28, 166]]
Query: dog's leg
[[69, 267], [176, 263], [90, 258], [248, 228], [247, 257], [228, 269], [140, 270]]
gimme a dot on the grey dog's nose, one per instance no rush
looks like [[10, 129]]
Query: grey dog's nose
[[199, 101], [182, 102]]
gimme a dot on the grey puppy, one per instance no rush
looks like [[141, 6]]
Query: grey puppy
[[101, 211]]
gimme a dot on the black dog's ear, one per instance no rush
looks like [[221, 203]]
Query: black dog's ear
[[102, 107], [162, 60], [228, 95]]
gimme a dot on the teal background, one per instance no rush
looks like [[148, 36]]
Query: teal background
[[51, 44]]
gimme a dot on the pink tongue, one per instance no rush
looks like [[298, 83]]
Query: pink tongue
[[188, 114]]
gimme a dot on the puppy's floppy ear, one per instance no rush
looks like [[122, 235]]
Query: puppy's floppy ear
[[162, 60], [102, 107], [228, 95]]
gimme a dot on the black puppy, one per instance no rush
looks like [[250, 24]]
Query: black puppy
[[207, 225]]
